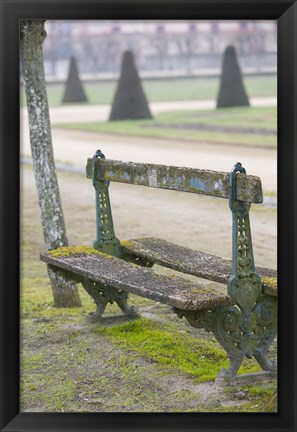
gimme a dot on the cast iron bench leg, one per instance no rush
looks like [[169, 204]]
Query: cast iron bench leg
[[229, 326], [103, 295], [121, 301]]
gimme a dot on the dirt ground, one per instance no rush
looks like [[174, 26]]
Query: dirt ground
[[99, 376]]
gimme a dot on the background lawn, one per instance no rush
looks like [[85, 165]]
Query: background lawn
[[238, 126], [165, 90]]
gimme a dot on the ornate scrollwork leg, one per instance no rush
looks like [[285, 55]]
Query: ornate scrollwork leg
[[248, 327], [121, 300], [229, 326], [224, 323], [97, 292], [96, 316], [103, 295], [266, 315]]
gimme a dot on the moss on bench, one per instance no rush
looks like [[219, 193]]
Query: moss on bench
[[72, 250], [118, 274]]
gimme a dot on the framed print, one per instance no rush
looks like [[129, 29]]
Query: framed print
[[180, 97]]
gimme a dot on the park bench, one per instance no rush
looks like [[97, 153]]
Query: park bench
[[243, 320]]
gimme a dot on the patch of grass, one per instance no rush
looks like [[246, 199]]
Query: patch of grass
[[258, 396], [260, 392], [35, 362], [162, 344], [239, 117], [252, 117], [164, 90]]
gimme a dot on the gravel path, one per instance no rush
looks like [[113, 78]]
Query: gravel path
[[74, 147]]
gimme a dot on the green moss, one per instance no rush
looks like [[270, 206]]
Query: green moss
[[270, 281], [160, 342], [127, 243], [31, 387], [72, 250]]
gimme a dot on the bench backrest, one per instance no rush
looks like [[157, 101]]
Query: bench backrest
[[206, 182]]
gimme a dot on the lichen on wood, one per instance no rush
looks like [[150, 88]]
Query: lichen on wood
[[191, 261], [117, 274], [32, 34], [205, 182]]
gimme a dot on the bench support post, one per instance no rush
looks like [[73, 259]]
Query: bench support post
[[249, 326], [103, 295], [240, 334], [106, 240]]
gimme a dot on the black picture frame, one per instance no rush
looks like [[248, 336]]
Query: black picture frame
[[285, 11]]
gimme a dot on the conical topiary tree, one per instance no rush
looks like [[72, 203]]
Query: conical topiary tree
[[232, 92], [74, 91], [129, 100]]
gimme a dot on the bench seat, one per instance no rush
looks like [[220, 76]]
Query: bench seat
[[193, 262], [116, 273]]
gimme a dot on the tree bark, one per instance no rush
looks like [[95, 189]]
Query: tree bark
[[32, 34]]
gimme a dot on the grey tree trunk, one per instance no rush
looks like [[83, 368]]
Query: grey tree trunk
[[32, 34]]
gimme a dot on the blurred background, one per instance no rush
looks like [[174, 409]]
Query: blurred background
[[189, 93], [161, 48], [200, 94]]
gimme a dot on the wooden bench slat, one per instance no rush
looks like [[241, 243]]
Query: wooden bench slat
[[206, 182], [191, 261], [116, 273]]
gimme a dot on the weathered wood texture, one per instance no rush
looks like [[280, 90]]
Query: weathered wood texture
[[190, 261], [206, 182], [116, 273], [32, 34]]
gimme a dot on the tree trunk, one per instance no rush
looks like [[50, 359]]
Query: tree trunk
[[32, 34]]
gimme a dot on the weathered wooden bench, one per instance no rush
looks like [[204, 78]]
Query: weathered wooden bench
[[243, 320]]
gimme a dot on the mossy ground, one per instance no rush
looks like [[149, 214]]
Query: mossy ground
[[154, 364], [167, 345]]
